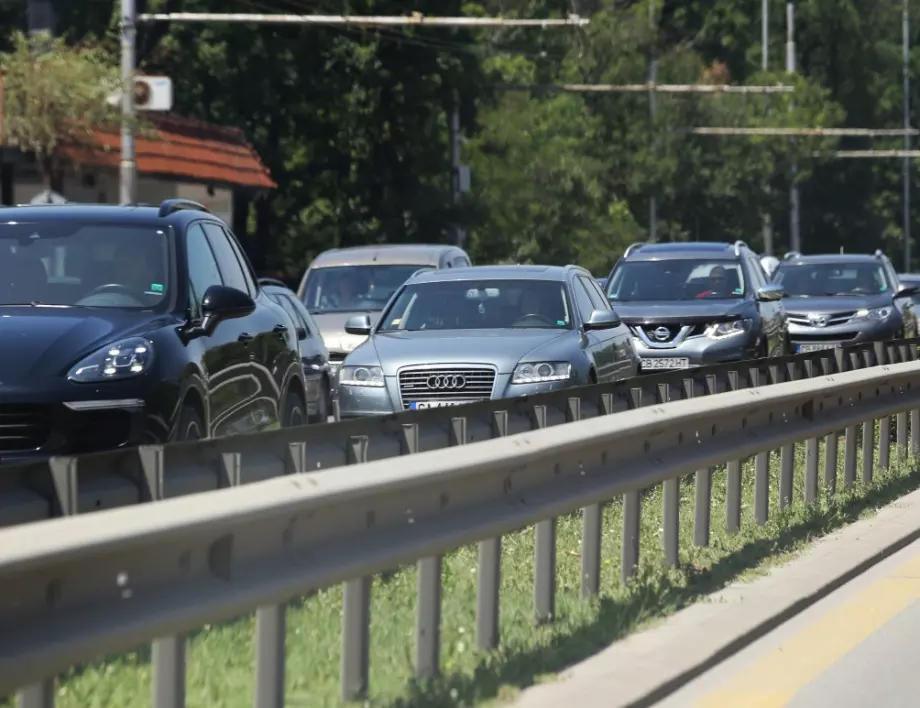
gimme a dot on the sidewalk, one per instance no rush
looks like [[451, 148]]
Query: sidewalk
[[647, 666]]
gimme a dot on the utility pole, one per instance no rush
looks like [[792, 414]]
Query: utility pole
[[652, 80], [905, 165], [766, 218], [794, 235], [128, 166], [457, 167]]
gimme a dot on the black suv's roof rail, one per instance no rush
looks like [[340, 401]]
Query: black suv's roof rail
[[791, 254], [273, 281], [172, 205], [738, 246], [634, 247]]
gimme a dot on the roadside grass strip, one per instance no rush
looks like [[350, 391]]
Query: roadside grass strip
[[221, 657]]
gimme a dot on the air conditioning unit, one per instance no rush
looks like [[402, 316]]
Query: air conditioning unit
[[153, 93]]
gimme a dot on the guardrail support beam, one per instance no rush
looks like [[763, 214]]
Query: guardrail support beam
[[670, 505]]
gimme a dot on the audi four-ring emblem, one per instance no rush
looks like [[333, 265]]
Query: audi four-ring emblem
[[442, 383]]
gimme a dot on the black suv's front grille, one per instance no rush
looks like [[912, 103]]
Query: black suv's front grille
[[23, 427]]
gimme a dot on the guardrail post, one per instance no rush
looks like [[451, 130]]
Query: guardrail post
[[632, 510], [787, 459], [356, 610], [544, 579], [883, 355], [733, 478], [702, 503], [761, 473], [901, 436], [868, 450], [488, 574], [591, 524], [670, 503], [849, 457], [915, 432]]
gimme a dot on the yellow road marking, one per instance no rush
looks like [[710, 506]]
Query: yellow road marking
[[776, 678]]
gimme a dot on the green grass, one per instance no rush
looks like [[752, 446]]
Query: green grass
[[220, 658]]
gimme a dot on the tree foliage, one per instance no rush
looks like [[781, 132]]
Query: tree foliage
[[353, 123], [55, 94]]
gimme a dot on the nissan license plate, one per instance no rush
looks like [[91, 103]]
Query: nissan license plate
[[423, 405], [664, 363], [805, 348]]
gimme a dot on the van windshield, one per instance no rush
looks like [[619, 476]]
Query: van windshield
[[364, 288]]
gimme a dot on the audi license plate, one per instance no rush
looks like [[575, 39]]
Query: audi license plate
[[422, 405], [663, 363], [805, 348]]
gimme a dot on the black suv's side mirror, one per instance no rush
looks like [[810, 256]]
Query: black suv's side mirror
[[222, 302]]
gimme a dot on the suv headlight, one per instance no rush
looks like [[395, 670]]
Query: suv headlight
[[730, 329], [121, 360], [878, 314], [541, 371], [370, 376]]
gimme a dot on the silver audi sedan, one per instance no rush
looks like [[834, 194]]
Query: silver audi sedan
[[449, 337]]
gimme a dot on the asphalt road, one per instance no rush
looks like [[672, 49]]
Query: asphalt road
[[857, 648]]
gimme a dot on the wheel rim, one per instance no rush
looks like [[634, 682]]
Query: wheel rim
[[192, 431], [295, 417]]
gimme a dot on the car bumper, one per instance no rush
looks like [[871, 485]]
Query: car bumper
[[38, 424], [695, 352], [360, 401], [804, 338]]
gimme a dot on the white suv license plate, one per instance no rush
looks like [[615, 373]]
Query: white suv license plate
[[805, 348], [664, 363], [424, 405]]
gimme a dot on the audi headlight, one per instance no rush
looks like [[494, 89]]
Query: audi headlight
[[121, 360], [878, 313], [541, 372], [371, 376], [730, 329]]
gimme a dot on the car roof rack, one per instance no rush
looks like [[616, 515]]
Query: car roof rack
[[879, 254], [170, 206], [634, 247], [791, 254], [738, 246], [273, 281]]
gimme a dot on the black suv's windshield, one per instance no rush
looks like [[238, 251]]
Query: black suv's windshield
[[479, 304], [831, 279], [679, 279], [354, 288], [83, 265]]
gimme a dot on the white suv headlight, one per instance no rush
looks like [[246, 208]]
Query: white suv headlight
[[368, 376], [541, 372]]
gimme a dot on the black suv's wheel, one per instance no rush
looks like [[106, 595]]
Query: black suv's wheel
[[294, 410], [190, 426]]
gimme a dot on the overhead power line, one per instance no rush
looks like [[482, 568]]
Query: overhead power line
[[816, 132], [646, 88], [414, 20]]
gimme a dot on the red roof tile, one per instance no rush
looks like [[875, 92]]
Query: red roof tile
[[183, 148]]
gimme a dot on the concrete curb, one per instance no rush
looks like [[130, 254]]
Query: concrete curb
[[645, 668]]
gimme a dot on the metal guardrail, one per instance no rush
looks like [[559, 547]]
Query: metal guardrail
[[83, 587], [95, 482]]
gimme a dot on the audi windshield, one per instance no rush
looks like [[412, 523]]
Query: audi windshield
[[678, 279], [832, 279], [480, 304]]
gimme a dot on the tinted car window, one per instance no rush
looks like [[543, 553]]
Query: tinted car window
[[828, 279], [230, 269], [202, 266], [598, 301], [678, 279], [479, 304], [350, 288], [582, 299], [67, 263], [288, 305], [245, 265]]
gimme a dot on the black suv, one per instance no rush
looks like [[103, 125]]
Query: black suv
[[690, 304], [122, 325], [841, 298]]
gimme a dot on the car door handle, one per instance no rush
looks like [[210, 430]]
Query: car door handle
[[280, 330], [245, 337]]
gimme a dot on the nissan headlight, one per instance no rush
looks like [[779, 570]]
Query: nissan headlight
[[121, 360], [541, 372], [730, 329], [878, 314], [368, 376]]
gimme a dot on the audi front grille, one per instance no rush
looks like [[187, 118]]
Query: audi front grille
[[445, 383]]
